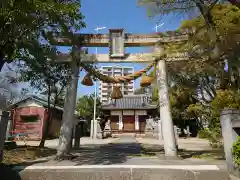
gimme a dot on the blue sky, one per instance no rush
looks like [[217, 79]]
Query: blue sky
[[124, 14]]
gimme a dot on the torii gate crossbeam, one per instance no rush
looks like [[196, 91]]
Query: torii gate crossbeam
[[129, 58], [130, 40]]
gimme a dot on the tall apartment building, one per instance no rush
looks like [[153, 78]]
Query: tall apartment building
[[105, 89]]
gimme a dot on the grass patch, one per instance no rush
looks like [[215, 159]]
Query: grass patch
[[215, 154], [143, 155], [21, 154], [150, 150]]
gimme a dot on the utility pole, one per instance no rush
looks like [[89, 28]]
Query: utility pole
[[97, 30], [94, 123], [158, 26], [94, 112]]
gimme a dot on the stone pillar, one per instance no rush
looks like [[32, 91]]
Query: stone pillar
[[149, 127], [136, 122], [165, 112], [107, 129], [188, 132], [228, 133], [99, 134], [176, 135], [77, 135]]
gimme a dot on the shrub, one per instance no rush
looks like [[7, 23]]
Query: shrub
[[203, 133], [211, 114], [213, 136], [236, 152]]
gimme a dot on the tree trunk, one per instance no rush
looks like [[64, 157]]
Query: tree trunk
[[206, 13], [71, 140], [2, 62], [49, 120], [3, 128], [77, 136], [68, 113]]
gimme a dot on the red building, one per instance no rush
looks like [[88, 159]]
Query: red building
[[129, 114], [30, 115]]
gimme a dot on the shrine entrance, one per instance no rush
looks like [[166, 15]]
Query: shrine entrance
[[117, 40], [128, 123]]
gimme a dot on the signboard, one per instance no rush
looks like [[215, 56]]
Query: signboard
[[140, 112], [116, 43], [128, 112], [116, 113]]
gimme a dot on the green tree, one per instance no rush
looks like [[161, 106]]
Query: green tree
[[210, 112], [212, 44], [24, 21], [85, 106], [226, 20], [141, 90], [47, 76]]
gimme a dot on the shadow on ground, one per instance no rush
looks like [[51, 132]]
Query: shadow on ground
[[213, 154], [115, 153], [107, 154], [7, 173]]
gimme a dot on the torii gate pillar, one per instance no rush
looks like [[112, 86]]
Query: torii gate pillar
[[65, 138], [170, 148]]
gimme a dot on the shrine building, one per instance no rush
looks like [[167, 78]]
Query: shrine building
[[129, 114]]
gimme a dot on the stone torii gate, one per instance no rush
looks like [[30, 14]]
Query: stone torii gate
[[117, 40]]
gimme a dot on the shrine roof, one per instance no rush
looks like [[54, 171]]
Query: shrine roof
[[131, 102]]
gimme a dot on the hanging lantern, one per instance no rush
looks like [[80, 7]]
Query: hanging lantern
[[137, 74], [146, 80], [116, 93], [87, 80]]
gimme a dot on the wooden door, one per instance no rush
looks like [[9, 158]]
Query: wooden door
[[142, 122], [114, 122], [129, 123]]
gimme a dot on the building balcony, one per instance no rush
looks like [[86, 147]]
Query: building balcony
[[117, 74], [117, 70], [127, 88]]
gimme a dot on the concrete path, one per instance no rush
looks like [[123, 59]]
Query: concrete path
[[118, 151], [188, 144], [125, 150], [83, 141]]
